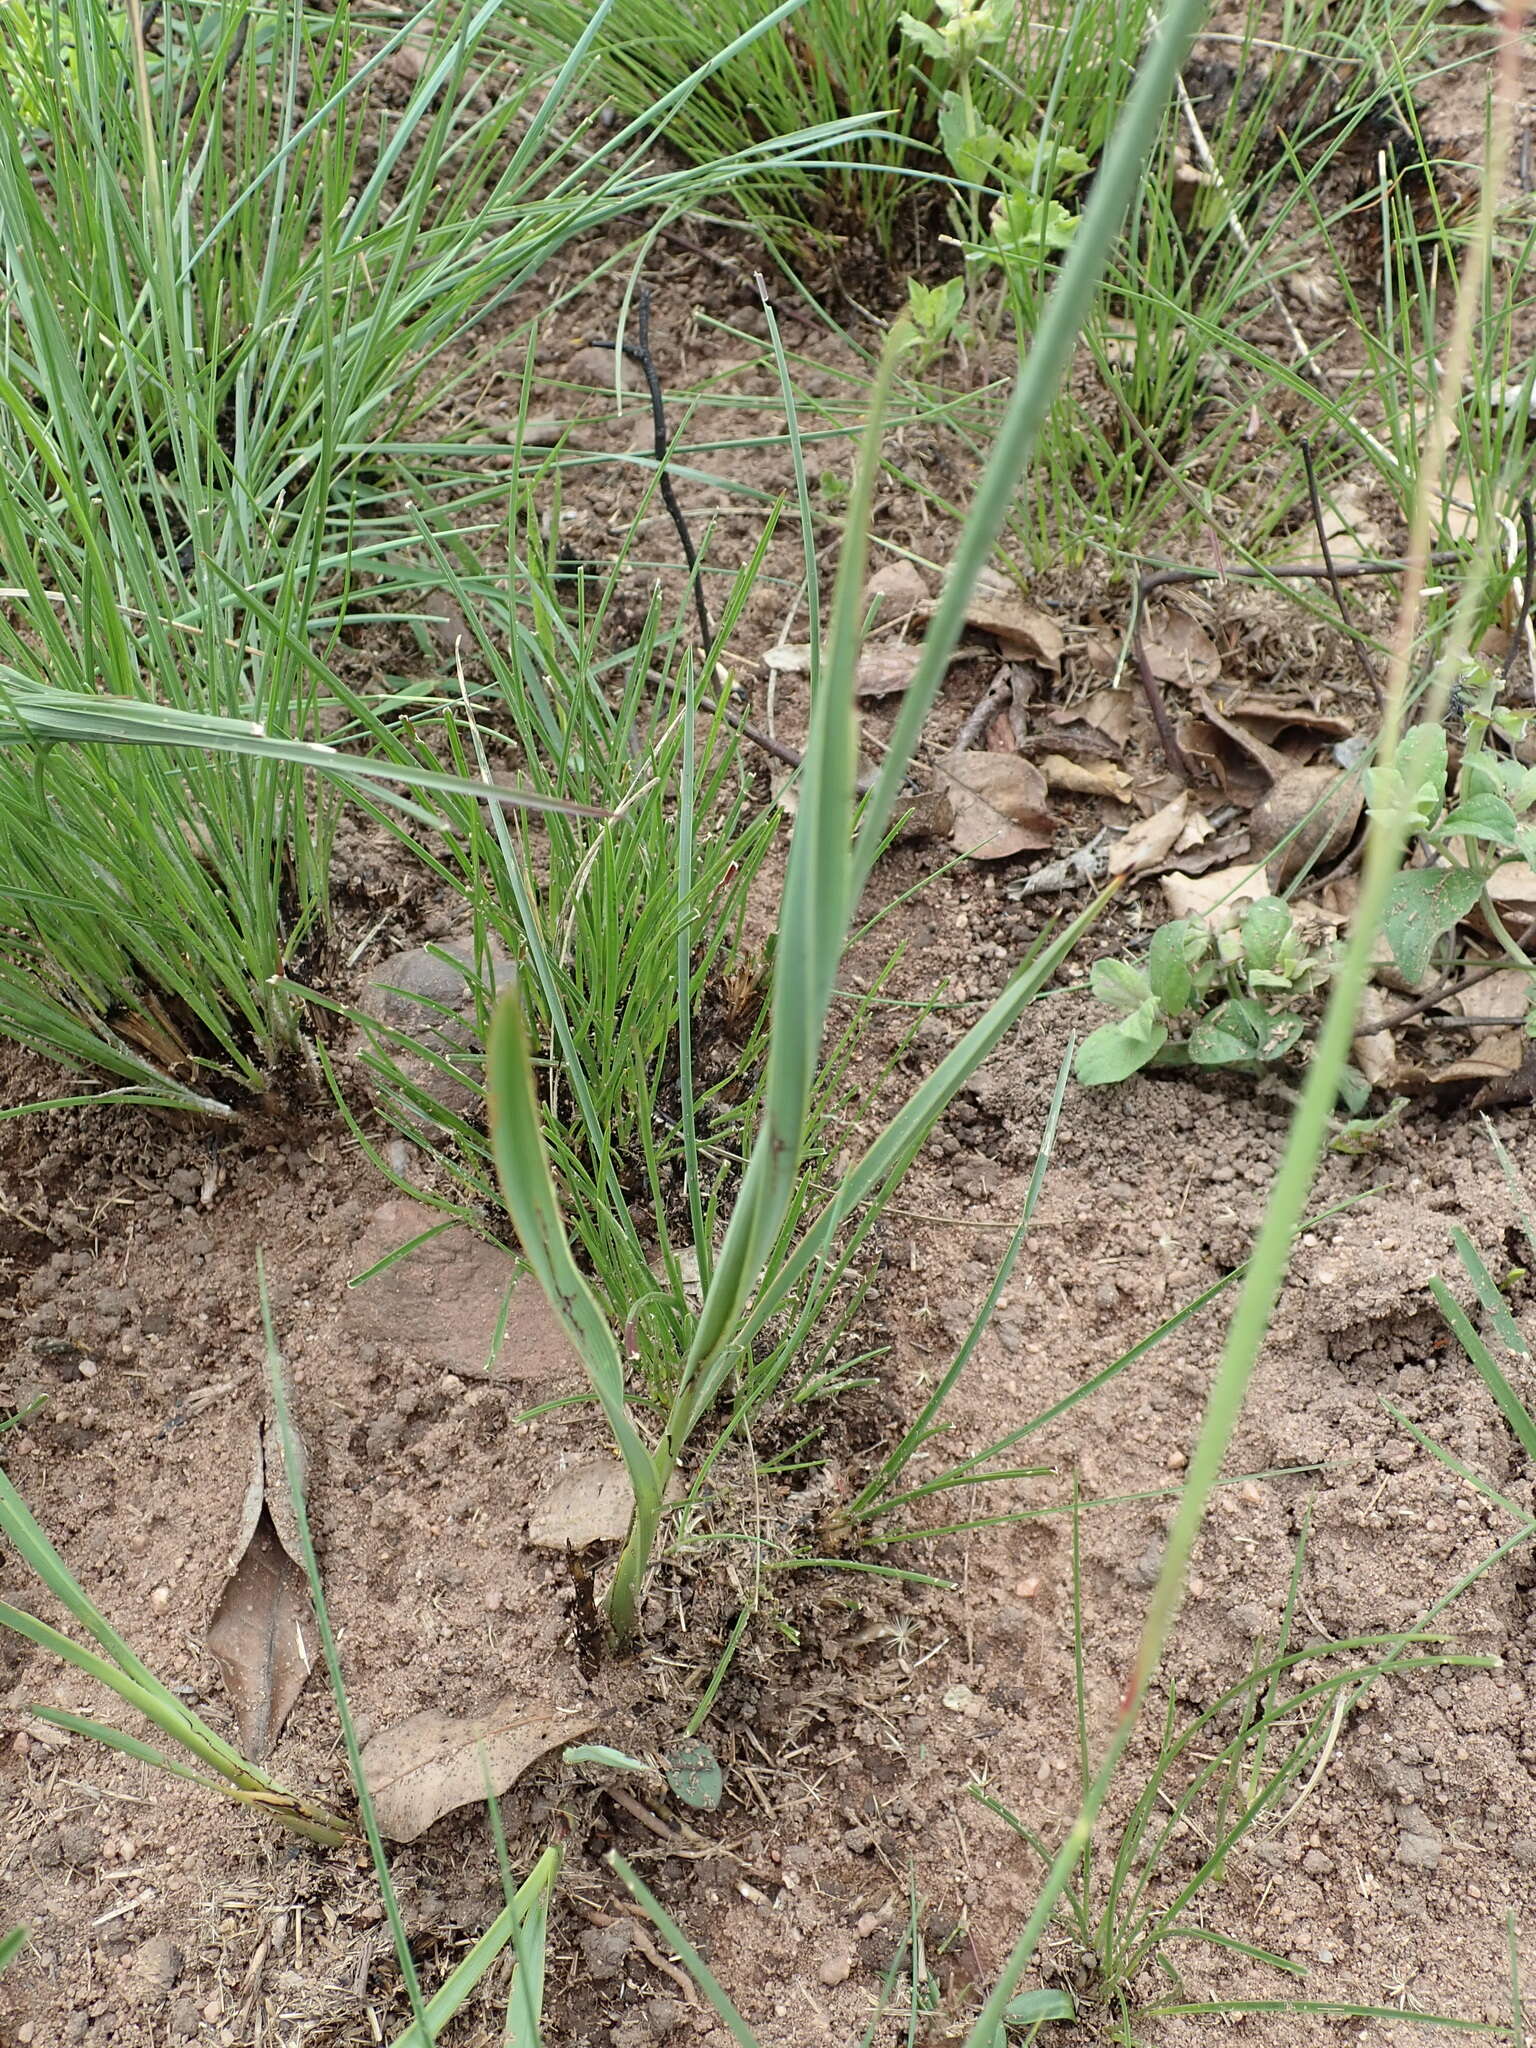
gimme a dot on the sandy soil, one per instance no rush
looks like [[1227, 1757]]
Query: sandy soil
[[860, 1715]]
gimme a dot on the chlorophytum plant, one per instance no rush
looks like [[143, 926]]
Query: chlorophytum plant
[[833, 849]]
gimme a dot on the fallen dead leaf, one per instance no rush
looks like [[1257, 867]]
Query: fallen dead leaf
[[1505, 995], [1201, 895], [592, 1502], [1152, 840], [1499, 1055], [999, 805], [900, 587], [262, 1635], [1087, 778], [1107, 711], [995, 607], [1178, 650], [1512, 891], [433, 1763], [1375, 1050], [1265, 758], [1078, 741], [1276, 719], [1320, 805], [886, 667]]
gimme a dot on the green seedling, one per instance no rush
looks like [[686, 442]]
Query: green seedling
[[11, 1946], [690, 1771], [1226, 993], [113, 1664], [935, 312], [1227, 986]]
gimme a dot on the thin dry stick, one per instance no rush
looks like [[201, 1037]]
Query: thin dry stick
[[639, 351], [1357, 643], [997, 697], [1235, 227]]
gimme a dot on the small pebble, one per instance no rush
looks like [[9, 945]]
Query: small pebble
[[160, 1599], [836, 1969]]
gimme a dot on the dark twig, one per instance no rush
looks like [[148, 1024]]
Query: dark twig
[[1452, 987], [639, 351], [776, 750], [1351, 631], [996, 698], [193, 93], [1517, 638], [1151, 689]]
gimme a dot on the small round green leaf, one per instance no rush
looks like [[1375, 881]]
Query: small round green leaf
[[694, 1774]]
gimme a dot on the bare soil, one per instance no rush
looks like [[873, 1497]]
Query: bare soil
[[859, 1713]]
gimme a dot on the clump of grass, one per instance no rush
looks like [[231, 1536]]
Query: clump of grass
[[772, 1238], [234, 292], [825, 59]]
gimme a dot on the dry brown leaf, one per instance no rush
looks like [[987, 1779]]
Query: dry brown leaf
[[1222, 888], [995, 607], [1375, 1051], [1320, 805], [262, 1635], [1499, 1054], [999, 805], [1512, 890], [433, 1763], [1265, 758], [1274, 718], [900, 587], [1152, 839], [1107, 711], [1178, 650], [886, 667], [1087, 778], [1505, 995], [592, 1502]]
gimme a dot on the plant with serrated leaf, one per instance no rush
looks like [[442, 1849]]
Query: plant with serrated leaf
[[1466, 826], [1017, 171], [1218, 994], [935, 313]]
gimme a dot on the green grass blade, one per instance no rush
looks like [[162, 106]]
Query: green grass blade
[[47, 716], [681, 1946], [1515, 1412], [530, 1901], [126, 1745], [814, 914], [44, 1562], [11, 1946], [1489, 1295]]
